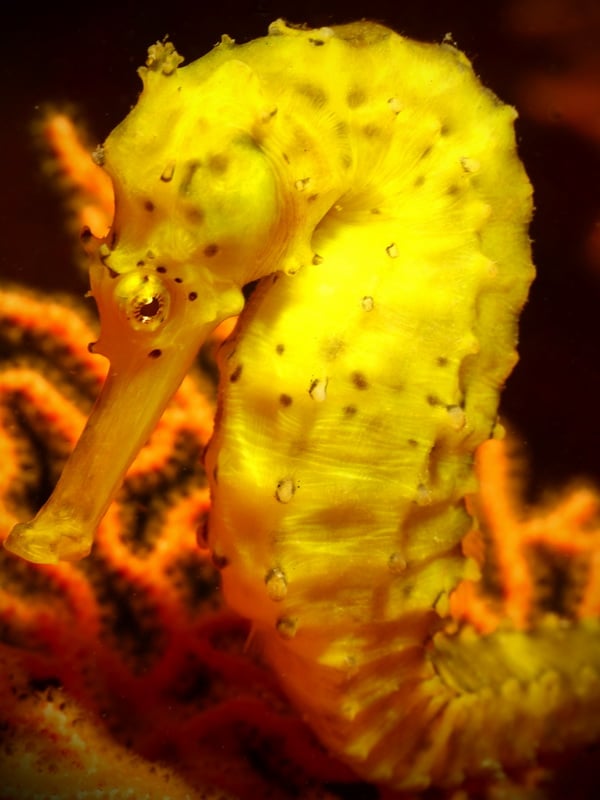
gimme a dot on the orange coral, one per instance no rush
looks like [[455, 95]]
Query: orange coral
[[568, 529], [93, 198]]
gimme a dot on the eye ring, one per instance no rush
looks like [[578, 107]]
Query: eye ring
[[144, 300]]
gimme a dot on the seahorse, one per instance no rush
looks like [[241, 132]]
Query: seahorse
[[358, 199]]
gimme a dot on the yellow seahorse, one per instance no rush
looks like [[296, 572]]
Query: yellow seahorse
[[372, 185]]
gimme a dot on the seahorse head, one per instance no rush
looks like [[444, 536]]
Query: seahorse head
[[197, 215], [194, 189]]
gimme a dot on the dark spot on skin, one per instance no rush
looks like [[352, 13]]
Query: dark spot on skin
[[419, 181], [285, 158], [317, 259], [192, 296], [359, 380], [356, 98], [412, 442], [140, 263], [375, 211], [317, 42], [371, 130], [349, 411], [178, 280], [235, 375], [189, 170], [280, 349], [148, 205], [346, 160], [162, 270], [441, 361], [194, 214], [314, 94], [426, 152], [311, 198], [211, 250], [249, 140], [433, 400], [218, 164], [150, 254], [285, 400], [155, 353], [444, 130], [220, 562]]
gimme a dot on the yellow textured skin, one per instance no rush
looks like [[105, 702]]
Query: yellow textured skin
[[373, 185]]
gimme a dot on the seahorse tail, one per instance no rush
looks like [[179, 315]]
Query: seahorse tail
[[455, 707], [519, 695]]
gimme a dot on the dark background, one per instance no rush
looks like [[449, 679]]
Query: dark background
[[83, 58]]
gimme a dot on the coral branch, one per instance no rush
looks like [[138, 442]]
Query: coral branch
[[561, 537], [92, 196]]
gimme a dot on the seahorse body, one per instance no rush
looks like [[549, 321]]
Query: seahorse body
[[372, 184]]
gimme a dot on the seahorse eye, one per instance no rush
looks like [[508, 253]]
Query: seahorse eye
[[148, 309], [144, 300]]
